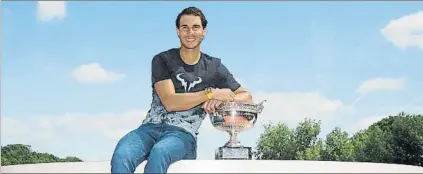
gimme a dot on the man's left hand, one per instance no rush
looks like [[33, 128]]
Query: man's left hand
[[211, 105]]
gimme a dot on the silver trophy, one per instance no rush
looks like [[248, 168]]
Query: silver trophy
[[235, 117]]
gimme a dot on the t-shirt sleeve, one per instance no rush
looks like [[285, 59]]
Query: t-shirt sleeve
[[159, 70], [226, 79]]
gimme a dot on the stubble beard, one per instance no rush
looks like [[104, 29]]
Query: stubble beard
[[193, 47]]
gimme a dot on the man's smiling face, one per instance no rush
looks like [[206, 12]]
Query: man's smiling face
[[190, 31]]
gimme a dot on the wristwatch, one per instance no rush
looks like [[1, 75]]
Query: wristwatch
[[208, 92]]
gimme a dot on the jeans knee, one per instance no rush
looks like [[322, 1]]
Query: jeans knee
[[127, 157], [122, 163], [160, 153], [120, 157], [159, 160]]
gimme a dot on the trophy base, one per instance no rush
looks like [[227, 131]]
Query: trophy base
[[233, 153]]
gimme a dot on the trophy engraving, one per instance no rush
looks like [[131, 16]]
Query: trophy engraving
[[233, 118]]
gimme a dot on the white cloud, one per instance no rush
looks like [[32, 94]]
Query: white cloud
[[94, 136], [365, 123], [94, 73], [50, 133], [380, 84], [108, 125], [406, 31], [297, 106], [414, 106], [51, 10]]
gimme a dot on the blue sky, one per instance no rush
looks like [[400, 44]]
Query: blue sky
[[305, 58]]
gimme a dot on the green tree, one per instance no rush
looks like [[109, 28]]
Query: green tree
[[278, 142], [359, 140], [275, 143], [407, 139], [376, 146], [338, 147], [311, 153], [22, 154], [306, 143], [395, 139], [71, 159], [4, 161]]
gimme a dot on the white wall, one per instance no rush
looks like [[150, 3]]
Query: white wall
[[226, 166]]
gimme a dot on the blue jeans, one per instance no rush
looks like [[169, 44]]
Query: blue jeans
[[159, 144]]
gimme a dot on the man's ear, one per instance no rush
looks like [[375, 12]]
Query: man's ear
[[204, 32], [177, 32]]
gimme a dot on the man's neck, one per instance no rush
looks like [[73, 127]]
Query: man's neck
[[190, 56]]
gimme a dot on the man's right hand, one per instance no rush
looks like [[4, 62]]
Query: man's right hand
[[224, 95]]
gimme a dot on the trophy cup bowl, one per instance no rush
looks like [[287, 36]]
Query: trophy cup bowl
[[235, 117]]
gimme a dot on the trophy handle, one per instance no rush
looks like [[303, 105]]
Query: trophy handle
[[261, 103], [261, 106]]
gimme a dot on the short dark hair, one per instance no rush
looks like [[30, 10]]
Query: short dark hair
[[192, 11]]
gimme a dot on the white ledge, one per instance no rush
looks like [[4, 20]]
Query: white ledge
[[224, 166]]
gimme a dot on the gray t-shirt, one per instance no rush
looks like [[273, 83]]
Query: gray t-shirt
[[208, 72]]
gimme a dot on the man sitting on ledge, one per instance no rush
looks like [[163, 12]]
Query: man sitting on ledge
[[186, 84]]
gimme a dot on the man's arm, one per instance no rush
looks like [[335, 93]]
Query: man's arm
[[184, 101], [227, 80], [178, 101], [243, 95]]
